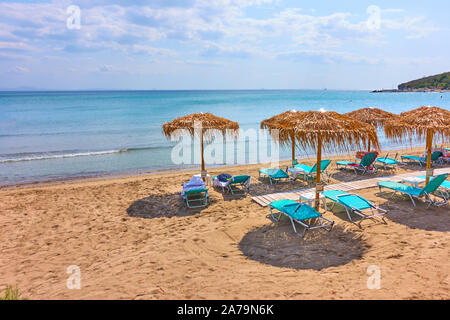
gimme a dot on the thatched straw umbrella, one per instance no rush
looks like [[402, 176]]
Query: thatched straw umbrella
[[373, 116], [281, 121], [424, 122], [206, 125], [329, 131]]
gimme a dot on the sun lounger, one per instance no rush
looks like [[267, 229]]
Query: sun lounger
[[310, 172], [444, 188], [423, 160], [274, 174], [300, 213], [365, 165], [195, 193], [243, 181], [418, 193], [222, 181], [387, 162], [356, 204]]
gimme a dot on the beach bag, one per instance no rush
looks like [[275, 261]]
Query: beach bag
[[224, 177]]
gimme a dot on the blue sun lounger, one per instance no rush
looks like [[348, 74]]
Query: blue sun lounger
[[365, 165], [445, 187], [310, 172], [423, 160], [299, 213], [274, 174], [195, 193], [354, 203], [386, 162], [243, 181], [413, 192]]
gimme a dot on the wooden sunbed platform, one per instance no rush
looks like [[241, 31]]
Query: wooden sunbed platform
[[264, 200]]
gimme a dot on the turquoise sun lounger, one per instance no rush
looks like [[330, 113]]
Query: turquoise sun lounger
[[274, 174], [365, 165], [445, 187], [300, 213], [423, 160], [413, 192], [386, 162], [310, 172], [196, 198], [242, 181], [195, 193], [354, 203]]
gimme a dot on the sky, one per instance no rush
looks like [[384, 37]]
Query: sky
[[221, 44]]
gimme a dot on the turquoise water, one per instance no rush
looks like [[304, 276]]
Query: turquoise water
[[51, 135]]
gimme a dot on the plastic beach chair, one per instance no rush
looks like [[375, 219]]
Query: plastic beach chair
[[274, 174], [418, 193], [300, 213], [356, 204], [365, 165]]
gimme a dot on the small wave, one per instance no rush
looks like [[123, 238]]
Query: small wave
[[48, 156], [58, 156]]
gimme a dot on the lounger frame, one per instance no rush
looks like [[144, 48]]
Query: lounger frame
[[377, 213], [425, 196], [245, 187], [317, 223], [203, 200], [385, 165], [271, 180]]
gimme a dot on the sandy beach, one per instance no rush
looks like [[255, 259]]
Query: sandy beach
[[134, 238]]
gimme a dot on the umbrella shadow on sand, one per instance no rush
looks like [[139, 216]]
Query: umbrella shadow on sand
[[162, 206], [279, 246], [401, 211]]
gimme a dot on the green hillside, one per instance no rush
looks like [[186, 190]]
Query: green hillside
[[439, 82]]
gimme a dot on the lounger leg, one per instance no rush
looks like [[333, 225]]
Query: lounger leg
[[273, 216], [414, 204], [295, 229]]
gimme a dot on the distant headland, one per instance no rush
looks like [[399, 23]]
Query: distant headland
[[436, 83]]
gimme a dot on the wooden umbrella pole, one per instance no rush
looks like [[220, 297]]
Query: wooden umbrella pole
[[429, 145], [368, 146], [293, 147], [203, 160], [319, 159]]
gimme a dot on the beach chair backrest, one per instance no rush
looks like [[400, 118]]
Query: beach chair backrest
[[434, 184], [239, 179], [314, 168], [324, 164], [368, 159], [435, 155], [294, 162]]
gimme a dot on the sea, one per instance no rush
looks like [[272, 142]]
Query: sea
[[46, 136]]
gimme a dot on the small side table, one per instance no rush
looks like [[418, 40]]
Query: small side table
[[310, 197], [415, 181]]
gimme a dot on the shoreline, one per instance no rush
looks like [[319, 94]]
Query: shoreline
[[170, 171]]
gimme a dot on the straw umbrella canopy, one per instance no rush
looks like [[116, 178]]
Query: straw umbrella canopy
[[328, 131], [424, 122], [279, 122], [373, 116], [205, 125]]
